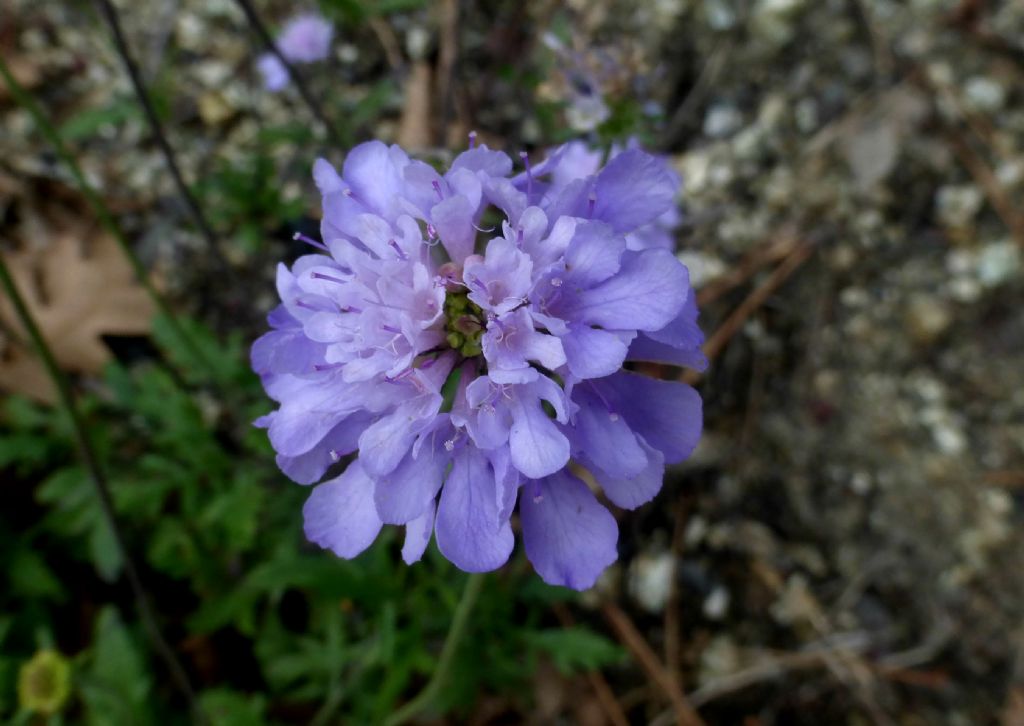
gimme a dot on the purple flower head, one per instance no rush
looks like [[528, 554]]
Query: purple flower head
[[304, 39], [467, 365]]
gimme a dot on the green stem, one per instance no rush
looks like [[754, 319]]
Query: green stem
[[456, 633], [99, 480], [100, 209]]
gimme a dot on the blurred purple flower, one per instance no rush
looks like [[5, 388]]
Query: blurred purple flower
[[467, 381], [304, 39]]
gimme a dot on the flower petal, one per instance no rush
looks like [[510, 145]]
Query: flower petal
[[594, 353], [453, 220], [604, 437], [417, 536], [405, 493], [538, 448], [633, 189], [629, 492], [339, 515], [465, 528], [667, 414], [569, 537], [646, 294]]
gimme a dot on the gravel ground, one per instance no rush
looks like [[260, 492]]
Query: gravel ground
[[845, 547]]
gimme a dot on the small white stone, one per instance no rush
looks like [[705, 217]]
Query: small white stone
[[722, 120], [984, 94], [998, 263], [716, 605], [650, 580]]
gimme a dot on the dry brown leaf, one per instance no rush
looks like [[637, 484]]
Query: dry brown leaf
[[77, 292]]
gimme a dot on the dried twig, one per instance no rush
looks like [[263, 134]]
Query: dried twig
[[446, 57], [779, 247], [989, 182], [605, 696], [156, 126], [645, 656], [673, 629], [718, 340], [388, 42]]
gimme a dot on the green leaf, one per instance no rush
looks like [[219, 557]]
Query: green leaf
[[116, 685], [575, 649], [88, 122], [30, 577], [225, 707], [103, 549]]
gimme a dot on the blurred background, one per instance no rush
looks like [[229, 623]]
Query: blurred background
[[845, 545]]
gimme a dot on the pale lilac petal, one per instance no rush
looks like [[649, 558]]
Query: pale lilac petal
[[633, 189], [593, 255], [594, 353], [604, 437], [275, 75], [538, 448], [570, 538], [342, 440], [374, 174], [383, 445], [646, 294], [339, 515], [466, 529], [629, 492], [667, 414], [417, 536], [405, 493], [453, 219], [482, 159]]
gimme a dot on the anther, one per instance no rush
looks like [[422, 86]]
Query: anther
[[529, 174], [556, 282], [591, 203], [335, 457], [298, 236], [401, 253], [322, 276], [449, 445], [472, 139]]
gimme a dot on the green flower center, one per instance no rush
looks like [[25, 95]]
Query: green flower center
[[464, 324]]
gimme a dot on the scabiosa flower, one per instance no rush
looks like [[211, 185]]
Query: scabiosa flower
[[304, 39], [467, 364]]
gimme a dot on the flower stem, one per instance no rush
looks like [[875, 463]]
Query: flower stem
[[202, 223], [456, 633]]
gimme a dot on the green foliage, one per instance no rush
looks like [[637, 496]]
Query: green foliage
[[115, 685], [216, 529], [88, 122], [575, 649]]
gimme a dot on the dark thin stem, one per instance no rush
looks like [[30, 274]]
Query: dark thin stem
[[261, 30], [110, 15], [456, 633], [99, 208], [92, 464]]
